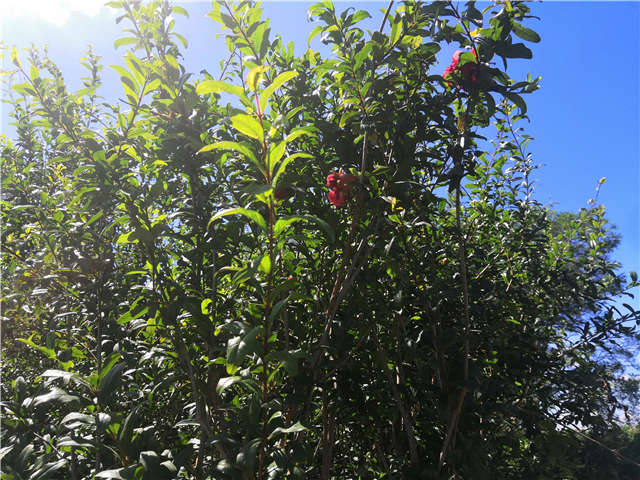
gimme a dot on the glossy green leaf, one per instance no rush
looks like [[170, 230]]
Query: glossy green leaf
[[248, 125], [282, 166], [276, 151], [216, 86], [283, 223], [239, 347], [250, 214], [241, 148], [124, 41], [226, 382], [296, 427], [525, 33], [277, 82]]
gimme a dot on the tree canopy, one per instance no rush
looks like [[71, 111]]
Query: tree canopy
[[305, 266]]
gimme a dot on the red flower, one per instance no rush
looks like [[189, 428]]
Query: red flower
[[338, 197], [341, 184], [332, 179], [468, 71], [454, 65]]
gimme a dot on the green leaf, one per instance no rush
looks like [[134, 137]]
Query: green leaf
[[298, 132], [515, 50], [55, 395], [236, 147], [359, 16], [14, 57], [283, 165], [124, 41], [322, 224], [248, 125], [124, 238], [108, 364], [66, 376], [277, 308], [289, 360], [136, 67], [78, 419], [49, 352], [283, 223], [296, 427], [182, 40], [396, 30], [126, 430], [111, 380], [525, 33], [24, 455], [255, 75], [116, 473], [130, 81], [179, 10], [314, 33], [518, 101], [250, 214], [239, 347], [265, 265], [217, 86], [362, 55], [204, 306], [226, 382], [133, 314], [188, 422], [95, 218], [276, 151], [277, 83], [47, 469]]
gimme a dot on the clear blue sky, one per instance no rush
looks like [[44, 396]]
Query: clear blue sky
[[585, 118]]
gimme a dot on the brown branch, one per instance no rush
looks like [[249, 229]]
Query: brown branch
[[404, 413], [201, 412], [328, 434], [455, 416], [453, 425]]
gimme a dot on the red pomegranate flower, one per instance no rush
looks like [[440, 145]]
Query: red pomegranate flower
[[332, 179], [338, 197], [468, 71], [340, 184]]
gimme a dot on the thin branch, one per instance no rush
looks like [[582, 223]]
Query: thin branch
[[404, 413], [386, 15]]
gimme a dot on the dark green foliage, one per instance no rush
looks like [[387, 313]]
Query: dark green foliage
[[181, 300]]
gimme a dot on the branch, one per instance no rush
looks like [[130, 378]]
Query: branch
[[404, 413]]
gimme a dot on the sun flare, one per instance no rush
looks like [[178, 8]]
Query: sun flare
[[56, 12]]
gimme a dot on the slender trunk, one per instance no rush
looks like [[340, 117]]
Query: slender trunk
[[328, 435]]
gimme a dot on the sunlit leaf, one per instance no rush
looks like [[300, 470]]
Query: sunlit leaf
[[250, 214]]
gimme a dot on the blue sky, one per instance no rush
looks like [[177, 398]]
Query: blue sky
[[585, 118]]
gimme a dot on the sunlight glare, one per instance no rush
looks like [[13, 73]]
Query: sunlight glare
[[56, 12]]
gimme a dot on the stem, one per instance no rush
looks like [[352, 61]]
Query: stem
[[404, 412], [466, 29], [455, 414], [328, 435], [266, 326]]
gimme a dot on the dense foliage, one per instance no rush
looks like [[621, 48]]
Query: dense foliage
[[307, 267]]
